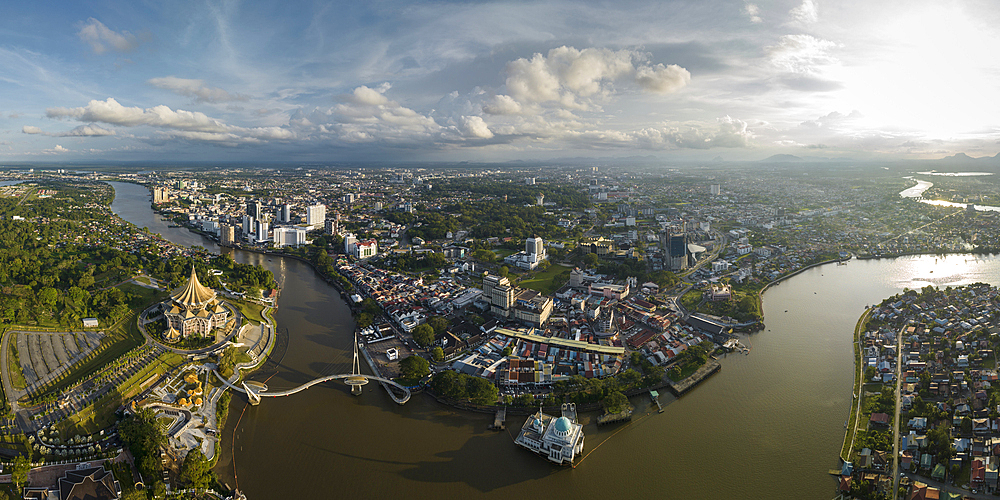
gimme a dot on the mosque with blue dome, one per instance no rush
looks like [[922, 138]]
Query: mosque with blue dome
[[558, 439]]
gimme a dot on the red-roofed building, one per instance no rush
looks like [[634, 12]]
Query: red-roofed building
[[878, 420]]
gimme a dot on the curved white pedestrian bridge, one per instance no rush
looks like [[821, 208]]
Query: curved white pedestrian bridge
[[254, 393]]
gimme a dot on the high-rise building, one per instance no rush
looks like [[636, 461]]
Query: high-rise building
[[499, 293], [253, 209], [262, 230], [227, 235], [332, 226], [160, 195], [286, 213], [677, 250], [315, 215], [348, 198], [540, 199], [248, 226], [530, 181], [535, 248], [715, 189], [350, 241]]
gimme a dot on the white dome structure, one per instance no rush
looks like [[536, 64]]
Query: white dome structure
[[558, 439]]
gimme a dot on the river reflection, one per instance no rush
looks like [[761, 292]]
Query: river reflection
[[769, 425]]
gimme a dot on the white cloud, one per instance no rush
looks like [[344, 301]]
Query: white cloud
[[369, 97], [195, 88], [81, 131], [474, 126], [570, 77], [802, 54], [806, 13], [731, 133], [753, 12], [367, 115], [662, 79], [195, 125], [101, 38], [832, 119], [111, 112], [502, 105]]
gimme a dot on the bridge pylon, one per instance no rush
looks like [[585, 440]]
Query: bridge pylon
[[356, 380], [251, 394]]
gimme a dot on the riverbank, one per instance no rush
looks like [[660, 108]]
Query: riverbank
[[852, 423], [707, 370]]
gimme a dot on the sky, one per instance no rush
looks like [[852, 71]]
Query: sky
[[380, 80]]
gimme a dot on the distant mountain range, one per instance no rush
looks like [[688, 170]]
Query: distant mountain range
[[964, 158], [785, 158]]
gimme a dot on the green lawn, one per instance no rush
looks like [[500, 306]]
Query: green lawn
[[251, 310], [149, 295], [691, 299], [14, 365], [686, 371], [503, 253], [547, 281]]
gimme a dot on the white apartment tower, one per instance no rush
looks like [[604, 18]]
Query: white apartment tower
[[315, 215]]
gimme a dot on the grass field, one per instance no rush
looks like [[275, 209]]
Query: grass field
[[503, 253], [14, 365], [686, 372], [149, 295], [547, 281], [251, 310], [691, 299]]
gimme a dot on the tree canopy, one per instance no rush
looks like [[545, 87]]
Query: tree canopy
[[196, 471], [414, 368], [423, 335], [144, 436]]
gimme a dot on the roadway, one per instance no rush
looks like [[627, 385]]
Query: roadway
[[895, 421]]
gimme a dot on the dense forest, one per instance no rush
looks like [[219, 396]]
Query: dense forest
[[46, 280]]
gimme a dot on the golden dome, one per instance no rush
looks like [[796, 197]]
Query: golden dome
[[194, 293]]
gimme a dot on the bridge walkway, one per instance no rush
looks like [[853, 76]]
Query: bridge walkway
[[289, 392]]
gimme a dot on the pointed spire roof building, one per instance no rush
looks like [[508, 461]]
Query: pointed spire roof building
[[194, 294]]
